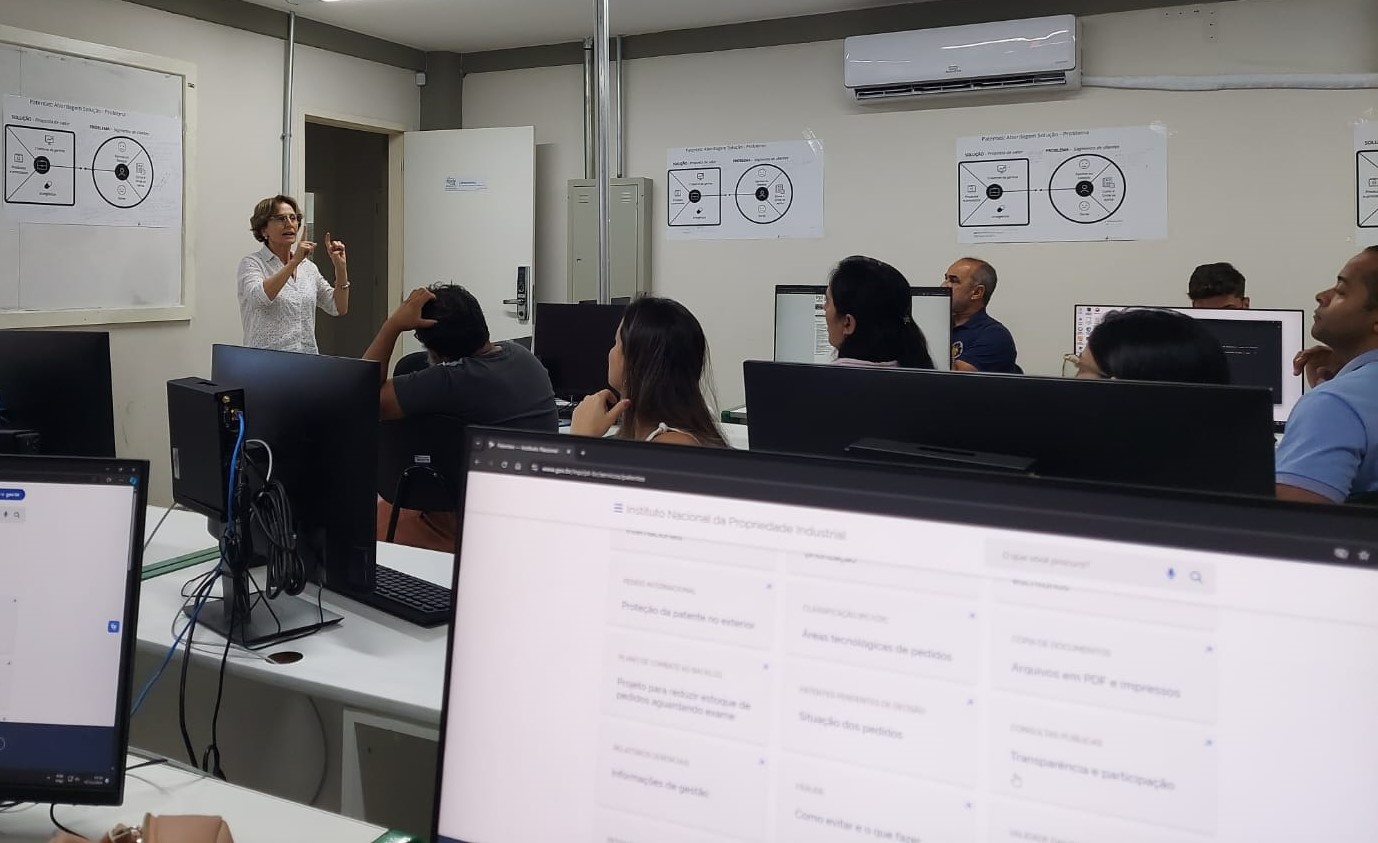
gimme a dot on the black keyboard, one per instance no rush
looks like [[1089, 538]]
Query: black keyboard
[[409, 598]]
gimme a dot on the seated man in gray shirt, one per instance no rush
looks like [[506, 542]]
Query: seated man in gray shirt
[[470, 378]]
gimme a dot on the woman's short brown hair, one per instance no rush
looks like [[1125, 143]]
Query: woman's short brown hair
[[266, 209]]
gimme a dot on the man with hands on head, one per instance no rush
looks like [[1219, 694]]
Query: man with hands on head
[[469, 378], [280, 289]]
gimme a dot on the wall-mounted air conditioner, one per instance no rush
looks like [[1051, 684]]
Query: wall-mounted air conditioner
[[1019, 55]]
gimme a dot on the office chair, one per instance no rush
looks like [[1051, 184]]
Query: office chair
[[1363, 499], [412, 363], [420, 459]]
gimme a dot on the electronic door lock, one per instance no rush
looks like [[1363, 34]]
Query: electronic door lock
[[523, 299]]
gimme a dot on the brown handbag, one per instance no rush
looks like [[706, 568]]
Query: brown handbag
[[183, 830], [164, 830]]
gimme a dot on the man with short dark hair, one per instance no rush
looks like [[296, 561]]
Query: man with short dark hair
[[979, 343], [469, 377], [1330, 450], [1217, 286]]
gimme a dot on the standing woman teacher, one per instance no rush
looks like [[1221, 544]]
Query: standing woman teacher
[[279, 289]]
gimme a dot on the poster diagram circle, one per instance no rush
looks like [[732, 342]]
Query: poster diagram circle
[[122, 171], [764, 194], [1087, 189]]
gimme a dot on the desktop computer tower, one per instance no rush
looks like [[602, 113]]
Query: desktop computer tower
[[203, 427]]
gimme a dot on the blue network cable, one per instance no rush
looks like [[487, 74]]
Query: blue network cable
[[234, 465], [167, 658], [201, 600]]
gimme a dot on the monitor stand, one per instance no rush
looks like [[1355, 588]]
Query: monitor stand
[[253, 621]]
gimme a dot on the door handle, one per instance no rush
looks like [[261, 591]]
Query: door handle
[[523, 299]]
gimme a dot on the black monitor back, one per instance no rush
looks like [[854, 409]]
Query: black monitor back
[[320, 416], [58, 383], [1188, 436], [572, 341]]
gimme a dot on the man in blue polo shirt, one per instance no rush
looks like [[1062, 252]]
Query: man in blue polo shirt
[[979, 343], [1330, 450]]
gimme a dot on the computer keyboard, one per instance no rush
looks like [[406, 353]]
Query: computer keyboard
[[412, 599]]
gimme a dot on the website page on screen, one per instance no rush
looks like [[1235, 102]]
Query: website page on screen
[[648, 666], [65, 555], [801, 329]]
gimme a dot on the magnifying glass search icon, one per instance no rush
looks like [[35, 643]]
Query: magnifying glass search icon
[[1196, 576]]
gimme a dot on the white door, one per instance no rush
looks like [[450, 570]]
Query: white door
[[469, 209]]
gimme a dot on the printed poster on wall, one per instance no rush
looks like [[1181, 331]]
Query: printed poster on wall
[[747, 191], [1366, 184], [87, 165], [1063, 186]]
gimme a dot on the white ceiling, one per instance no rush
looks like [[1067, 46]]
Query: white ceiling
[[473, 25]]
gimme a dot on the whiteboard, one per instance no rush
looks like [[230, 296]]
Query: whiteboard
[[58, 265]]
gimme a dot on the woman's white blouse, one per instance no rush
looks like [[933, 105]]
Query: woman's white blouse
[[288, 322]]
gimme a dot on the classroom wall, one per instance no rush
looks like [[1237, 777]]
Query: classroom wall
[[238, 163], [1260, 178]]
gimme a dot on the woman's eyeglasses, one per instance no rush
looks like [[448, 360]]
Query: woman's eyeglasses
[[286, 218]]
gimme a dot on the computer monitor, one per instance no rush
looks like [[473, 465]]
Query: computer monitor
[[1188, 436], [573, 341], [56, 384], [319, 415], [704, 645], [1259, 346], [71, 550], [801, 334]]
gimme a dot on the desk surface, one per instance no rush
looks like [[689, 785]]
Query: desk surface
[[370, 661], [170, 789]]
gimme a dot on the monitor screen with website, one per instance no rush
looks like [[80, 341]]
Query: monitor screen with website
[[56, 384], [1259, 345], [71, 551], [707, 645], [801, 334]]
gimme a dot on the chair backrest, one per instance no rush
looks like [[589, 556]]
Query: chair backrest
[[1363, 499], [428, 451], [411, 363]]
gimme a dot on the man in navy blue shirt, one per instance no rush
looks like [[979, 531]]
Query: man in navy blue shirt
[[979, 343], [1330, 450]]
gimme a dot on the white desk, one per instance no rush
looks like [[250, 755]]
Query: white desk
[[170, 789], [385, 672], [371, 660], [736, 436]]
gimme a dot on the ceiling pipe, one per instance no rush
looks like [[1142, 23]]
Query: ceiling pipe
[[621, 168], [287, 86], [589, 164], [601, 41]]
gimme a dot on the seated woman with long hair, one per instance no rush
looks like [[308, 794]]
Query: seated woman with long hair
[[656, 366], [869, 311], [1152, 345]]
